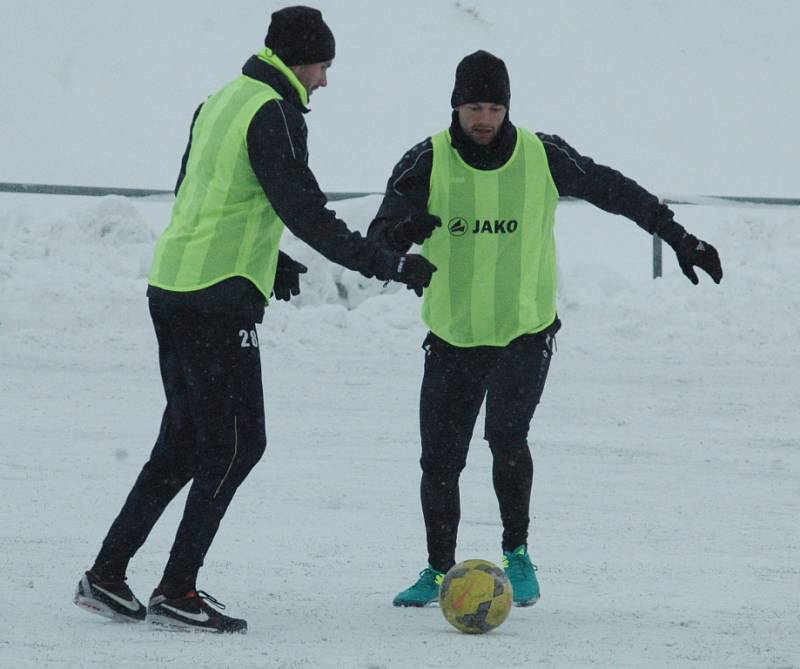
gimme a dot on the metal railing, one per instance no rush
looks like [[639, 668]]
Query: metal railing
[[700, 200], [59, 189]]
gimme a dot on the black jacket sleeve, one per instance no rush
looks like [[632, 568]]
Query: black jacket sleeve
[[574, 176], [579, 176], [276, 145], [185, 158], [406, 193]]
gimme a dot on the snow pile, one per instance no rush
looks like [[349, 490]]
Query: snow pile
[[64, 270], [90, 253]]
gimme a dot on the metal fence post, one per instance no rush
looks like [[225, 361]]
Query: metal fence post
[[657, 266]]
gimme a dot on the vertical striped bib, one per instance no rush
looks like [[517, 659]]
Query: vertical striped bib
[[495, 251]]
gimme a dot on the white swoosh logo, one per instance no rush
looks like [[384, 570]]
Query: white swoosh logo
[[199, 617], [130, 604]]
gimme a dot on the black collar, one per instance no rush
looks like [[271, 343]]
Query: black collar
[[488, 157], [257, 69]]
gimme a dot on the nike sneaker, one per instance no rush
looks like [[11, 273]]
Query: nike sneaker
[[112, 599], [424, 591], [191, 612], [522, 574]]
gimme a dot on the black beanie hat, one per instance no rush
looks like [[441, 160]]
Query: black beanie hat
[[481, 77], [299, 36]]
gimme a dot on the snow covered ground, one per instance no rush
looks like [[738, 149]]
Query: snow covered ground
[[667, 456]]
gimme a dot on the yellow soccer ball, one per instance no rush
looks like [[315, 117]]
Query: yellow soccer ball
[[475, 596]]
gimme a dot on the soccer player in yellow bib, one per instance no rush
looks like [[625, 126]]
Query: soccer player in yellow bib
[[480, 197], [243, 179]]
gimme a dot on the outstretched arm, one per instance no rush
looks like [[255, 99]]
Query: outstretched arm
[[276, 144], [579, 176]]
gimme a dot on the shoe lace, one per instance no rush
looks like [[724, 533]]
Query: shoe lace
[[516, 563], [202, 594], [429, 574], [118, 586]]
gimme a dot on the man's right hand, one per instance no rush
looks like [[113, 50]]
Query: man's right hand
[[415, 228], [415, 271]]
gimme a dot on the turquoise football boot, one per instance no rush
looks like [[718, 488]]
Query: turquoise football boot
[[424, 591], [522, 574]]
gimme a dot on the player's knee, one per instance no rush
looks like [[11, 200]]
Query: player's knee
[[510, 443], [254, 451], [437, 469]]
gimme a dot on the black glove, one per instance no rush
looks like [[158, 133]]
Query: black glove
[[692, 252], [287, 277], [415, 228], [415, 271]]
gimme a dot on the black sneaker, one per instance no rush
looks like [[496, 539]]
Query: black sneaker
[[192, 612], [112, 599]]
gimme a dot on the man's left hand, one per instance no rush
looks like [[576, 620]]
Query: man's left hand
[[693, 252]]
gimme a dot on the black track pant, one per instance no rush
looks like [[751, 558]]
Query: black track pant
[[455, 383], [212, 434]]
